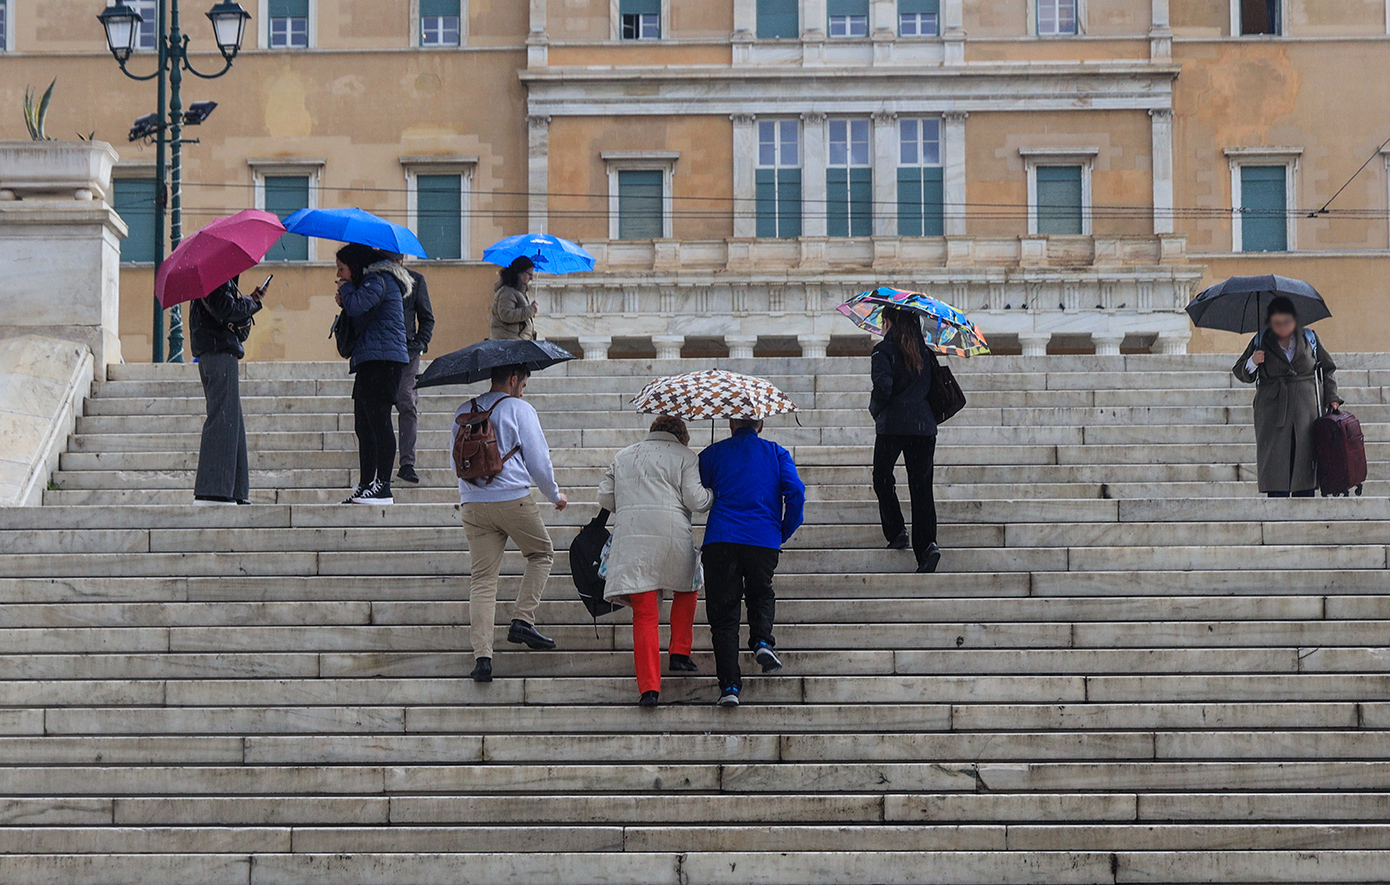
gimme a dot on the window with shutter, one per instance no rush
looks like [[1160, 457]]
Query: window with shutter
[[286, 195], [848, 18], [778, 19], [921, 209], [919, 18], [1059, 195], [289, 24], [779, 178], [440, 23], [849, 180], [1264, 209], [147, 38], [640, 19], [641, 198], [439, 215], [134, 200]]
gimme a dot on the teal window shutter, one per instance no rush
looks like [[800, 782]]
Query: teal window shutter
[[789, 202], [439, 215], [442, 8], [919, 7], [848, 7], [837, 202], [778, 19], [767, 202], [1059, 200], [861, 197], [134, 201], [933, 202], [640, 7], [640, 198], [910, 201], [1264, 209], [286, 195], [289, 8]]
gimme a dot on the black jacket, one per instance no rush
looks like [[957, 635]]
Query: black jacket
[[899, 402], [419, 317], [210, 320]]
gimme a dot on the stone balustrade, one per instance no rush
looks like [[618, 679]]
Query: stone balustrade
[[1110, 291]]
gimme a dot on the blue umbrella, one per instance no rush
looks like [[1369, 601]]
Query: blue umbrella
[[549, 254], [355, 226]]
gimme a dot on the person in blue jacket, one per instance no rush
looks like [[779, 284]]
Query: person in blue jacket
[[758, 504], [372, 290]]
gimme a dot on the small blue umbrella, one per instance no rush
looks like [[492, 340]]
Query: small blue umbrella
[[355, 226], [549, 254]]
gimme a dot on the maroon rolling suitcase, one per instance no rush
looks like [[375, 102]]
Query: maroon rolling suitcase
[[1341, 452]]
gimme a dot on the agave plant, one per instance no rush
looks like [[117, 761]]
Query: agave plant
[[36, 118]]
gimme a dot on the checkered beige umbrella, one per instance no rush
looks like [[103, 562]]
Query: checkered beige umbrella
[[701, 396]]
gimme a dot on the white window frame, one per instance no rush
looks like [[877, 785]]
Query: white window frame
[[1085, 157], [464, 168], [778, 146], [868, 26], [631, 161], [1283, 22], [1033, 22], [615, 22], [416, 35], [1288, 157], [151, 16], [264, 27], [898, 27], [7, 19], [261, 168]]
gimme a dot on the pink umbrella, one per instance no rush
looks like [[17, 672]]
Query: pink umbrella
[[216, 254]]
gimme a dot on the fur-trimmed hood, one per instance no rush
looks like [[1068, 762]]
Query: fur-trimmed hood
[[398, 271]]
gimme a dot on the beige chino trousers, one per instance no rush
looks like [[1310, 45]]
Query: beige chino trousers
[[488, 526]]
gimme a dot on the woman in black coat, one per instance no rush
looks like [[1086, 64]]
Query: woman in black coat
[[906, 428]]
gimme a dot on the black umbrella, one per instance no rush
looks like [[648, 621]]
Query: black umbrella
[[1239, 304], [475, 362]]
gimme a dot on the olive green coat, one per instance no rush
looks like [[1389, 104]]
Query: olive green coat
[[1286, 406]]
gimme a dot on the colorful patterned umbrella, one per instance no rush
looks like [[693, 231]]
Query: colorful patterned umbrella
[[948, 331], [702, 396]]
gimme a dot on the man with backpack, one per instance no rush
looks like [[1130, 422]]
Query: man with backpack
[[500, 451]]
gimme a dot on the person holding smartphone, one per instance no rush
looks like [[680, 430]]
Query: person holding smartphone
[[218, 328]]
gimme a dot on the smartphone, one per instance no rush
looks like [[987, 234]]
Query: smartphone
[[267, 282]]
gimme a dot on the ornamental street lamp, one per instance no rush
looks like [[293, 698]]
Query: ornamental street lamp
[[122, 25]]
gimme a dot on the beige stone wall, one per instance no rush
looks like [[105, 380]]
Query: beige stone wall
[[997, 177], [1103, 18]]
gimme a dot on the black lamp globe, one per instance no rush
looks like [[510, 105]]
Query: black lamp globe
[[122, 25], [228, 26]]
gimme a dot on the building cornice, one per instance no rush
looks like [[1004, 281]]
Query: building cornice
[[720, 90]]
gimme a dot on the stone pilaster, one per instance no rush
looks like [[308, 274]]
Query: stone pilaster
[[953, 172], [538, 172], [1161, 121], [745, 175]]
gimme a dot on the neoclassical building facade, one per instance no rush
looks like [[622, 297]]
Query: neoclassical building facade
[[1067, 171]]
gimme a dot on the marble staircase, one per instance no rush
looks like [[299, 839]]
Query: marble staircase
[[1130, 669]]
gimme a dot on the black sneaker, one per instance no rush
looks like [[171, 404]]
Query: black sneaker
[[482, 670], [650, 699], [376, 493], [728, 697], [901, 542], [525, 634], [764, 655], [356, 493], [407, 473], [930, 560], [683, 664]]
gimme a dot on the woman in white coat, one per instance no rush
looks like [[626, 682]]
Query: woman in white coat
[[653, 489]]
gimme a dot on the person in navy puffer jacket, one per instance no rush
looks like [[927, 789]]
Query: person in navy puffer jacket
[[372, 289]]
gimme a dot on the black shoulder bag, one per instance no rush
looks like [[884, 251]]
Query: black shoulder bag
[[945, 396]]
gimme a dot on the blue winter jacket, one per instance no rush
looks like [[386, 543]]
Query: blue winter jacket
[[378, 309], [758, 497]]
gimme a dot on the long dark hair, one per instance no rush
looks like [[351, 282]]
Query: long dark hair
[[511, 274], [905, 331], [357, 258]]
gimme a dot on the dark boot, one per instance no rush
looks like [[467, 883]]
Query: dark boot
[[901, 542], [482, 670], [649, 699], [929, 561], [683, 664]]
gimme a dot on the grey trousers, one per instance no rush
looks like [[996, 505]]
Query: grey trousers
[[223, 468], [408, 406]]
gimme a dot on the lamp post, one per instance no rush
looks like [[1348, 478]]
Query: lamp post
[[122, 25]]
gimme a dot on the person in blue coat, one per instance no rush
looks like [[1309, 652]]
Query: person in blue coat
[[372, 290], [758, 505]]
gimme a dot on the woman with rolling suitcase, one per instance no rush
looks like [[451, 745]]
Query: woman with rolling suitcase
[[1289, 366]]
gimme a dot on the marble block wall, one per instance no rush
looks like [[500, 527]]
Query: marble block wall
[[42, 385]]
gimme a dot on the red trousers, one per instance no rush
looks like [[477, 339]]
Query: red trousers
[[646, 636]]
